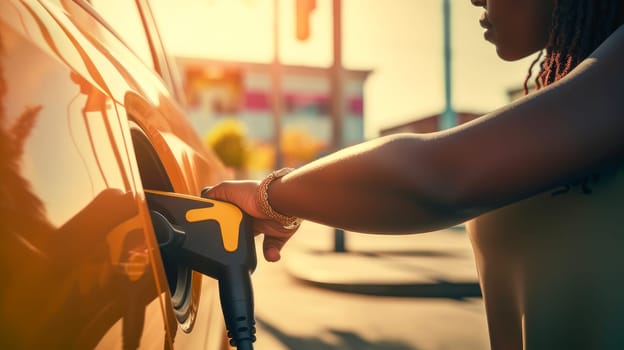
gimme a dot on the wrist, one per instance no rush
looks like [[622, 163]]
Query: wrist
[[263, 205]]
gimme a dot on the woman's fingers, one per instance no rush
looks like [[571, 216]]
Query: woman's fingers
[[275, 237], [242, 194], [271, 248]]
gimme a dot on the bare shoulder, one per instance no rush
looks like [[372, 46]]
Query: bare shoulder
[[603, 66], [614, 42]]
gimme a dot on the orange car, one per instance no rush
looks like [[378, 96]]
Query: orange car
[[88, 121]]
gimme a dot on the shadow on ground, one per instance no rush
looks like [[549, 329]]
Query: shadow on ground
[[378, 253], [344, 340], [439, 289]]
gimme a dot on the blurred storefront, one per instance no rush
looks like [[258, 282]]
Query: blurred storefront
[[240, 92]]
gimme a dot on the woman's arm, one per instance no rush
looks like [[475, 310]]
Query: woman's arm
[[410, 183], [423, 182]]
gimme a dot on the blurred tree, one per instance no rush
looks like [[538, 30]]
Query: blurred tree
[[229, 141], [300, 147]]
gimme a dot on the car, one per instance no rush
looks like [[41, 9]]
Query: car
[[90, 118]]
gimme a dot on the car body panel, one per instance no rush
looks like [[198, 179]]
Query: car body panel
[[79, 258]]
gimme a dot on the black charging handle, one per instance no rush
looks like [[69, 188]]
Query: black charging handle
[[213, 238]]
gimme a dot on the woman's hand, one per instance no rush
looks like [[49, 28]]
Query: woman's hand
[[243, 194]]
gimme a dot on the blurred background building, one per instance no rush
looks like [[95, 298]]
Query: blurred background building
[[396, 59], [228, 92]]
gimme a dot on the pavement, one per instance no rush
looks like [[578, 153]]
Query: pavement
[[438, 264]]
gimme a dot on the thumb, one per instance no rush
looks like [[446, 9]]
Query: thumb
[[271, 247]]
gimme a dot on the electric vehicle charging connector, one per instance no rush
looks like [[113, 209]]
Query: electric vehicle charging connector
[[215, 239]]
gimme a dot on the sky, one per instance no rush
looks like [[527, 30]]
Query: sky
[[399, 40]]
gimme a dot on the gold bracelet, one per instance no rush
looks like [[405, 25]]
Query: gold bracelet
[[262, 200]]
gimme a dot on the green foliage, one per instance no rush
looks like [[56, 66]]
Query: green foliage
[[229, 141]]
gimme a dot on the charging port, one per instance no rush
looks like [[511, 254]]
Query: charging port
[[154, 177]]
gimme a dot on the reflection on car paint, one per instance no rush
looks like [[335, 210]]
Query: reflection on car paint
[[79, 262], [74, 269], [97, 123]]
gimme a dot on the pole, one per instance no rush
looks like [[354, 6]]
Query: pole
[[337, 101], [336, 78], [448, 119], [276, 91]]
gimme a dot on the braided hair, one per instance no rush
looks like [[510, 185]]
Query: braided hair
[[578, 28]]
